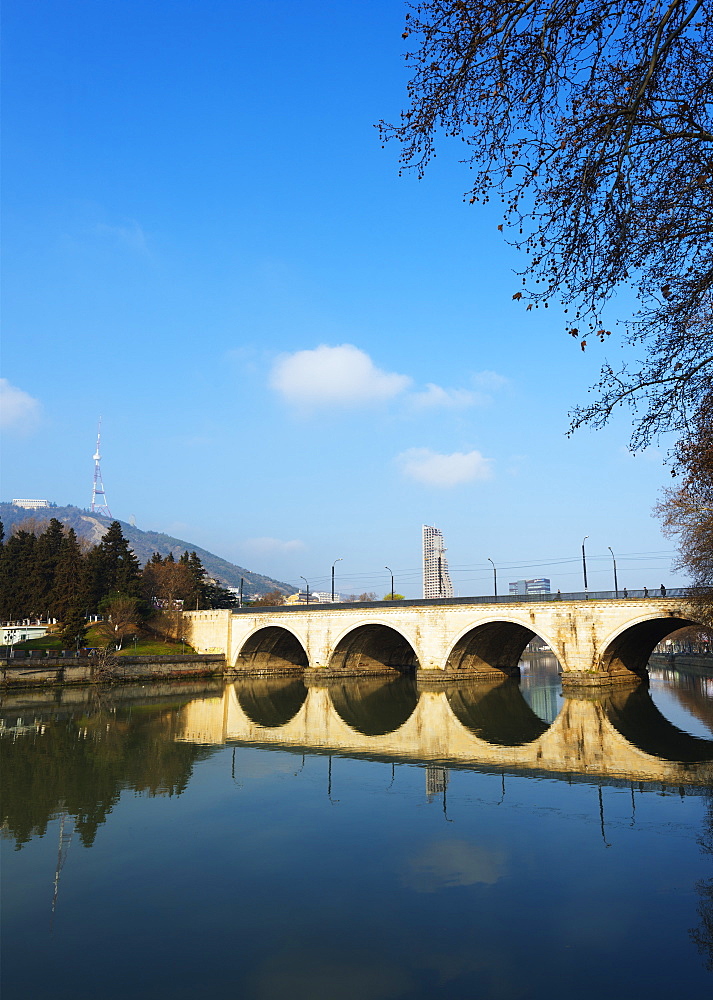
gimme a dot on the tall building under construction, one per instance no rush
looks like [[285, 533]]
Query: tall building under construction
[[436, 581]]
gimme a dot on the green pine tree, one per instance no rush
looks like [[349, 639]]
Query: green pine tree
[[70, 583], [19, 597], [112, 567], [196, 598], [47, 550], [74, 627]]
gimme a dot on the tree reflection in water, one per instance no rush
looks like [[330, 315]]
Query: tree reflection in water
[[80, 764], [703, 934]]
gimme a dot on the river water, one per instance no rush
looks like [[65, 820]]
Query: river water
[[363, 840]]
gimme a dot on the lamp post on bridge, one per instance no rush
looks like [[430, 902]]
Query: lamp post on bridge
[[307, 585], [495, 577], [392, 582], [616, 585], [584, 563], [333, 565]]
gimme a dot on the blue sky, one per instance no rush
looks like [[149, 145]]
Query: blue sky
[[297, 355]]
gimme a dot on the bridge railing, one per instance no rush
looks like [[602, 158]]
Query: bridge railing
[[578, 596]]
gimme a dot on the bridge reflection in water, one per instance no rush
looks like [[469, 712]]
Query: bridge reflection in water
[[616, 735]]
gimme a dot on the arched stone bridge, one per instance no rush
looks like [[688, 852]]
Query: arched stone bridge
[[602, 640]]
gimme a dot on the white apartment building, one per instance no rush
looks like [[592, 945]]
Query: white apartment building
[[436, 581]]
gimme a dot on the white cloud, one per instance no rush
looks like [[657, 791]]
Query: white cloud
[[335, 376], [18, 410], [434, 395], [434, 469], [268, 546], [489, 381], [444, 864], [131, 236]]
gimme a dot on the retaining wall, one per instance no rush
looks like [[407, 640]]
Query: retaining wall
[[48, 671]]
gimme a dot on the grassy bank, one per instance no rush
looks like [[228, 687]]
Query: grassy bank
[[145, 645]]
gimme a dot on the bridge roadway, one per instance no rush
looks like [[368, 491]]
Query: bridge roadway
[[615, 736], [599, 639]]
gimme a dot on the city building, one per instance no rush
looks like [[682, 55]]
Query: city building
[[31, 504], [315, 597], [539, 586], [436, 581], [12, 632]]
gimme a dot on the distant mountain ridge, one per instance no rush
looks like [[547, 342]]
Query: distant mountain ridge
[[92, 527]]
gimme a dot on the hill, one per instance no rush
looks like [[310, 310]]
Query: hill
[[91, 528]]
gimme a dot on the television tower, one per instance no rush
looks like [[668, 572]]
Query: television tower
[[99, 504]]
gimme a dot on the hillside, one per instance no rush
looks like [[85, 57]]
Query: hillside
[[144, 543]]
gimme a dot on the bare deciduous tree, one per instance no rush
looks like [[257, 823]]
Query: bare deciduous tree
[[120, 619], [272, 598], [687, 511], [591, 121]]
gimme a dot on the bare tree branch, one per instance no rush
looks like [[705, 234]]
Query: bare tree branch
[[591, 121]]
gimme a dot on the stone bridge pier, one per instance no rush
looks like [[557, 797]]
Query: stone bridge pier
[[602, 641]]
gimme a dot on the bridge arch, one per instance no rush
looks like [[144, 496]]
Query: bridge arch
[[495, 645], [629, 648], [373, 647], [272, 648]]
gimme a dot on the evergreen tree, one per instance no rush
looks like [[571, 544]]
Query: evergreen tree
[[218, 597], [18, 583], [4, 575], [74, 627], [196, 598], [46, 557], [121, 565], [70, 584], [112, 567]]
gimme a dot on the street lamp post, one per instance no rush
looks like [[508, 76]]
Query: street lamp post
[[392, 582], [495, 577], [616, 584], [307, 585], [333, 565], [584, 563]]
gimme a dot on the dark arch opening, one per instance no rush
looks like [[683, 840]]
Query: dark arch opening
[[636, 717], [271, 702], [631, 650], [274, 650], [496, 712], [495, 646], [374, 649], [375, 706]]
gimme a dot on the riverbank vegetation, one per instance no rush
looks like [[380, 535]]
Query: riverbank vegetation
[[140, 643], [47, 573]]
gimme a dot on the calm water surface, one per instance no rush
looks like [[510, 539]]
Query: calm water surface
[[365, 840]]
